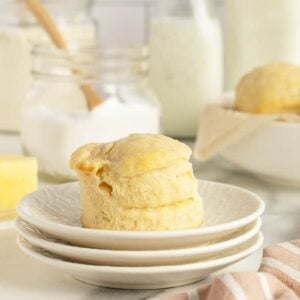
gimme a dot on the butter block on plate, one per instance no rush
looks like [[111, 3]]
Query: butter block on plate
[[18, 177]]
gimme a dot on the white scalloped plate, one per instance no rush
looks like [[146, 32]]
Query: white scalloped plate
[[56, 211], [134, 258], [143, 277]]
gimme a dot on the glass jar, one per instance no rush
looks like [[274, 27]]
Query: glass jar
[[55, 118], [18, 31], [257, 33], [186, 67]]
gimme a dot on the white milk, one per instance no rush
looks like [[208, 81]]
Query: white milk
[[186, 70], [15, 66], [259, 32]]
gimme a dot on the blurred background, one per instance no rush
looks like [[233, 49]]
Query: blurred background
[[122, 22], [127, 21]]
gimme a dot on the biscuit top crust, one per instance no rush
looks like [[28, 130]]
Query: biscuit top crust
[[130, 156]]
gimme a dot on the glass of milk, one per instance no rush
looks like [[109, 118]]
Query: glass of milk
[[186, 66], [259, 32], [55, 118], [18, 31]]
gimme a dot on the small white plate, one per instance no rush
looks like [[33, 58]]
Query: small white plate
[[56, 211], [143, 277], [134, 258]]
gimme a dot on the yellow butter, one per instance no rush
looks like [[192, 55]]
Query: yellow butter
[[18, 177]]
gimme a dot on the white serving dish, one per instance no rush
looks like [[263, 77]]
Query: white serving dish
[[270, 152], [56, 211], [143, 277], [134, 258]]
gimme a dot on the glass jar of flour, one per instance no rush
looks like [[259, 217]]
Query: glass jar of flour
[[186, 66], [55, 118], [18, 31]]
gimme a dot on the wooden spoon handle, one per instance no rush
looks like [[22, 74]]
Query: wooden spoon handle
[[47, 22]]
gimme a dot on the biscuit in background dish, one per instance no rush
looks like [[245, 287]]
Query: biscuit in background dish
[[270, 89], [142, 182]]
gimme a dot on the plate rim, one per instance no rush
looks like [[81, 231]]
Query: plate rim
[[162, 253], [148, 269], [218, 228]]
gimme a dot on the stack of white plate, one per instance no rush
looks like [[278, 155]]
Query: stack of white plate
[[50, 231]]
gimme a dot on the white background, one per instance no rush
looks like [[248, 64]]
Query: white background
[[125, 22]]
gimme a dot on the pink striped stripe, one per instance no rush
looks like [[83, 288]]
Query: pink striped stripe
[[250, 283], [280, 280], [283, 277], [182, 296], [284, 255]]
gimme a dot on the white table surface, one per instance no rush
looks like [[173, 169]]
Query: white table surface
[[23, 278]]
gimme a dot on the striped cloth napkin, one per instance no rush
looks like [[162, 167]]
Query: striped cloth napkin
[[278, 278]]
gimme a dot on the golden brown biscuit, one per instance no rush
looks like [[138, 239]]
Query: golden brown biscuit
[[142, 182], [270, 89]]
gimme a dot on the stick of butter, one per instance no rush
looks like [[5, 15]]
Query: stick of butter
[[18, 177]]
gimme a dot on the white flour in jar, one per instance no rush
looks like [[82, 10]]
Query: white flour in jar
[[15, 65], [186, 70], [52, 136]]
